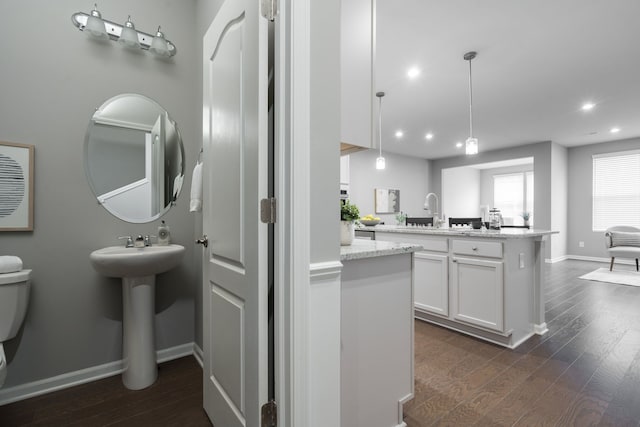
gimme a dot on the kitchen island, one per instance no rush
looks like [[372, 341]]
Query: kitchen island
[[376, 332], [485, 283]]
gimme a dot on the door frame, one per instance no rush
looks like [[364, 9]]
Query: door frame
[[292, 228]]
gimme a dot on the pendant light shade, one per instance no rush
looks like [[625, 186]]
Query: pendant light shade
[[380, 162], [159, 44], [95, 24], [471, 144], [129, 35]]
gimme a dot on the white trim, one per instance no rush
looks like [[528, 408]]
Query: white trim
[[557, 259], [615, 154], [329, 270], [83, 376], [198, 354], [628, 261], [540, 329], [295, 134]]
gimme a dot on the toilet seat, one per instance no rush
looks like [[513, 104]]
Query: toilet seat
[[18, 276]]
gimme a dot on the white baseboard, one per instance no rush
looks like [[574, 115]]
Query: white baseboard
[[198, 354], [540, 329], [83, 376], [557, 259]]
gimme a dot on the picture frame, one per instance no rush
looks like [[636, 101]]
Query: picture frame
[[387, 201], [16, 186]]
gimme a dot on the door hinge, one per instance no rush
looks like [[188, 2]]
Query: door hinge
[[269, 9], [268, 210], [270, 414]]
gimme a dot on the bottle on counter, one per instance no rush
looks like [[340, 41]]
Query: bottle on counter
[[164, 236]]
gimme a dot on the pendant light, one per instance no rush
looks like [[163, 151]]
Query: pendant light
[[380, 162], [471, 145]]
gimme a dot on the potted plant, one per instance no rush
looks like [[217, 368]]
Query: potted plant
[[349, 213], [526, 216]]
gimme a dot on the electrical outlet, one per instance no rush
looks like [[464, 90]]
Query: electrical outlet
[[581, 244], [521, 260]]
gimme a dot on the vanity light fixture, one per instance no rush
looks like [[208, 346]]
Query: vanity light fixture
[[125, 33], [471, 145], [380, 162]]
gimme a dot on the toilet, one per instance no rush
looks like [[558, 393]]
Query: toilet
[[14, 298]]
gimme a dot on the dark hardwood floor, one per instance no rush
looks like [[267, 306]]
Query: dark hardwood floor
[[584, 371], [175, 399]]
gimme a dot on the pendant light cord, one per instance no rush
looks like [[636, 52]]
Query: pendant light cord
[[380, 123], [470, 103]]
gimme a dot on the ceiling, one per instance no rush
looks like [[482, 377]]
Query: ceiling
[[538, 61]]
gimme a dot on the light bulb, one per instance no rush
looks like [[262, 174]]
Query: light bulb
[[471, 146]]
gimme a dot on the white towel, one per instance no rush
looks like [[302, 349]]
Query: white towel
[[196, 189], [10, 264]]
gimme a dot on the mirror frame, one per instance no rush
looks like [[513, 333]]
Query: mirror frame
[[116, 213]]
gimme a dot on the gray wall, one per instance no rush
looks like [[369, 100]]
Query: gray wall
[[580, 183], [541, 153], [559, 207], [325, 131], [53, 77], [407, 174]]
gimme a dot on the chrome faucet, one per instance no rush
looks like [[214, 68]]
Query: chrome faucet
[[436, 221], [129, 242]]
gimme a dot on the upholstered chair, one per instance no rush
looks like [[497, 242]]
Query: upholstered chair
[[622, 241]]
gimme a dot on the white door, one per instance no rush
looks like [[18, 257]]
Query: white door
[[235, 74], [477, 289], [431, 283]]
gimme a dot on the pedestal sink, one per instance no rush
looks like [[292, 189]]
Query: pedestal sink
[[138, 268]]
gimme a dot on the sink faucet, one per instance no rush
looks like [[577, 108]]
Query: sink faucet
[[436, 221], [129, 243]]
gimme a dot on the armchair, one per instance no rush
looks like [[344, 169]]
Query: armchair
[[623, 241]]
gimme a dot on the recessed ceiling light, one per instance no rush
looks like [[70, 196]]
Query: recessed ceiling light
[[588, 106], [614, 130], [429, 136], [458, 144], [413, 72], [399, 134]]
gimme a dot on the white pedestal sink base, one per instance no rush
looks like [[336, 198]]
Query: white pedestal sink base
[[138, 332]]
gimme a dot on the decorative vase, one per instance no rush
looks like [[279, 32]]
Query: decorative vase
[[347, 233], [526, 222]]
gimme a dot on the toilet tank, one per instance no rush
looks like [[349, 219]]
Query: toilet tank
[[14, 299]]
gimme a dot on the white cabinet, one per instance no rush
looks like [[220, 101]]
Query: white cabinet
[[357, 49], [477, 292], [344, 170], [431, 283]]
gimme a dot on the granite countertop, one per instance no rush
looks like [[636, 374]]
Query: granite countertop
[[364, 248], [505, 233]]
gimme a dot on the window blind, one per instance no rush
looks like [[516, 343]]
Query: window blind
[[616, 190], [508, 195]]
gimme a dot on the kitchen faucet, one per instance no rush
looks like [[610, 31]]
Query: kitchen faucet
[[436, 221]]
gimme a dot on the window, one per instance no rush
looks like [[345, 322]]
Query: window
[[616, 190], [513, 195]]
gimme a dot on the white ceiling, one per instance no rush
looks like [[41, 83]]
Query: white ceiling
[[538, 61]]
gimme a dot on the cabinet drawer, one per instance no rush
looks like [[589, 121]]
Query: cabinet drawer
[[477, 247]]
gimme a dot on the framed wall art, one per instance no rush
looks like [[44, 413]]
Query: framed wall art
[[387, 201], [16, 187]]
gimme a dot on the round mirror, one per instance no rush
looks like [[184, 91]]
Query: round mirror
[[134, 158]]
